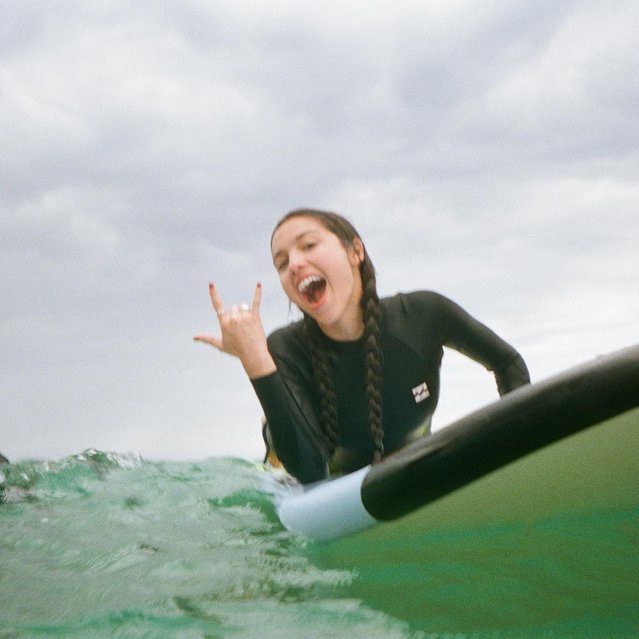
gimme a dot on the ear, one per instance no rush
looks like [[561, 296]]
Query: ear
[[358, 252]]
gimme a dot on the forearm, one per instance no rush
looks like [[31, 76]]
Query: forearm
[[512, 375], [294, 438], [476, 340]]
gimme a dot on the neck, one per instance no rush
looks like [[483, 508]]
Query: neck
[[348, 328], [343, 332]]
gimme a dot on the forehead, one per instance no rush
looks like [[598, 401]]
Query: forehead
[[292, 230]]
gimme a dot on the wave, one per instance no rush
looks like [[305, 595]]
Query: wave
[[103, 544], [112, 545]]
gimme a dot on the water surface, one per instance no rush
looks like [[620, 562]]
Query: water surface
[[107, 545]]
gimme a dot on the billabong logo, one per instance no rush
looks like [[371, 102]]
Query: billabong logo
[[421, 392]]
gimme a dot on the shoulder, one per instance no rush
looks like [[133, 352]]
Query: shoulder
[[422, 313], [416, 302], [289, 348], [288, 340]]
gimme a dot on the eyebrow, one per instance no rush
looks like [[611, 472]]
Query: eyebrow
[[296, 239]]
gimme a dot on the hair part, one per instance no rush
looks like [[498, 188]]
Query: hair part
[[321, 361]]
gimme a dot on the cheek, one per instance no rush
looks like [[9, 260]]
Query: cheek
[[346, 271], [286, 285]]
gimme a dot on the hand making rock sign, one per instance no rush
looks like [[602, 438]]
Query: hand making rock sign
[[242, 334]]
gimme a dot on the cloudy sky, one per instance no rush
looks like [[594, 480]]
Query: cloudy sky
[[488, 150]]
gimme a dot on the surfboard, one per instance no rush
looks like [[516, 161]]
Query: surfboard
[[565, 444]]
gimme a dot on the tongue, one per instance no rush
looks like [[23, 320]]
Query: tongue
[[314, 291]]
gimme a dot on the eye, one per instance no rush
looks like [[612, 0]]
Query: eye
[[281, 265]]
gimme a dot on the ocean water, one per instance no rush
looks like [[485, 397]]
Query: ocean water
[[108, 545]]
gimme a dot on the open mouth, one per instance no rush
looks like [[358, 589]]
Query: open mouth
[[312, 289]]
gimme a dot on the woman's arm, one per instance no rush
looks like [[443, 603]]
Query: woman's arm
[[292, 425], [467, 335], [291, 406], [285, 396]]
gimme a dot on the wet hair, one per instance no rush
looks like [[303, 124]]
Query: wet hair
[[320, 357]]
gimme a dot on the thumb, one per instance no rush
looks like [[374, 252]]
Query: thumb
[[216, 342]]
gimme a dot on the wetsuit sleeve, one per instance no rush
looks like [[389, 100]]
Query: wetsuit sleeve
[[288, 402], [467, 335]]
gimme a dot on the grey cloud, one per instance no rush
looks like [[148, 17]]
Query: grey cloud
[[148, 148]]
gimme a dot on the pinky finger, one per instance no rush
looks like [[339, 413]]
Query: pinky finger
[[257, 298]]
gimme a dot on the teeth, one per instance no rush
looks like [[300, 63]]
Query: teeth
[[307, 281]]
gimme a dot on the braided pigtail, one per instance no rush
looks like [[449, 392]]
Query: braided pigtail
[[373, 355], [323, 378]]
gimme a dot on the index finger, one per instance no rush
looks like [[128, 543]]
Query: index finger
[[215, 298]]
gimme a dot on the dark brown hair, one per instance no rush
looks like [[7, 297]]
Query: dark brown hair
[[321, 362]]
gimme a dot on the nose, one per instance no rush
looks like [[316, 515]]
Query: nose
[[295, 261]]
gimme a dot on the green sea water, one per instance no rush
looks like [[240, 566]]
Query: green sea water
[[106, 545]]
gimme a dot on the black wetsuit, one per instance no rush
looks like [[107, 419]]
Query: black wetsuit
[[414, 329]]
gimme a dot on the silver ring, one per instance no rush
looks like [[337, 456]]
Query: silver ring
[[245, 307]]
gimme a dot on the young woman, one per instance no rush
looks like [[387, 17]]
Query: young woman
[[357, 377]]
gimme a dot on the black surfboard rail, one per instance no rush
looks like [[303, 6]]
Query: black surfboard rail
[[520, 423]]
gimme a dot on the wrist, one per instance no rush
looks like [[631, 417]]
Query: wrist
[[258, 365]]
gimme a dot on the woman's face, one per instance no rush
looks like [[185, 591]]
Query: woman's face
[[320, 275]]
